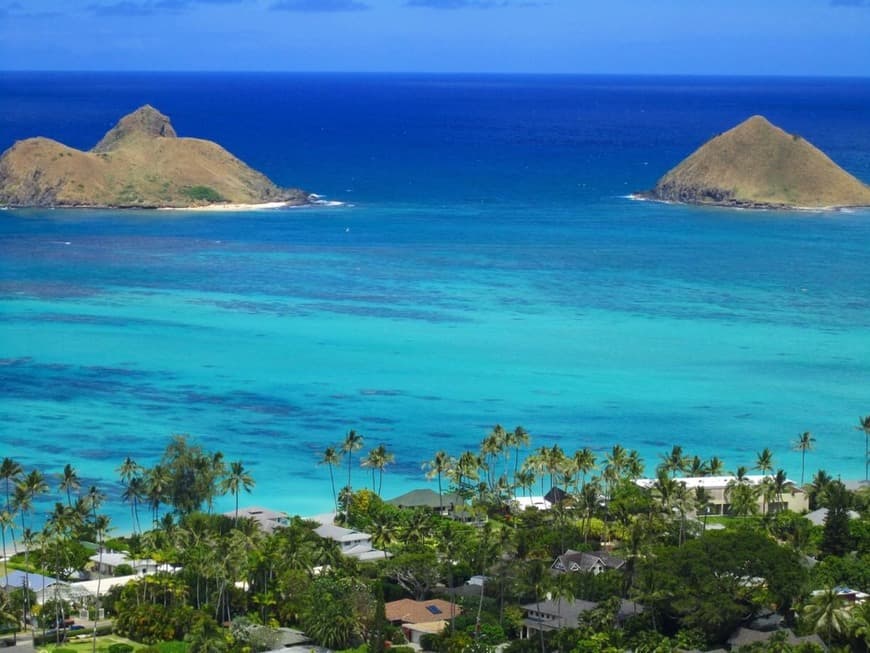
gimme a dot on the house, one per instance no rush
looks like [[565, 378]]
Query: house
[[590, 563], [107, 563], [793, 497], [351, 543], [267, 520], [524, 503], [450, 504], [418, 618], [818, 517], [747, 636], [565, 613]]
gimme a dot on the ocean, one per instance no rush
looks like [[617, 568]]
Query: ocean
[[485, 266]]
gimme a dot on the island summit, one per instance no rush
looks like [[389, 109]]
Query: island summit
[[758, 165], [139, 163]]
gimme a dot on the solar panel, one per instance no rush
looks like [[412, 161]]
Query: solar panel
[[434, 609]]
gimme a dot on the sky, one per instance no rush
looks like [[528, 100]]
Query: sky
[[683, 37]]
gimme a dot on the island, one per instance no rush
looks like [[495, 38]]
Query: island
[[758, 165], [139, 163]]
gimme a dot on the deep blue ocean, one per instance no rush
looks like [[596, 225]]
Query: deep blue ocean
[[486, 266]]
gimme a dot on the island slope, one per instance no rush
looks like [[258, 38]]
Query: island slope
[[758, 165], [141, 163]]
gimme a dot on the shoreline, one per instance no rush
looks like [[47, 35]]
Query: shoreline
[[265, 206], [749, 206]]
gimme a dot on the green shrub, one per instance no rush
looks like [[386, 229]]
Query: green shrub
[[120, 647], [124, 570], [402, 649], [203, 194]]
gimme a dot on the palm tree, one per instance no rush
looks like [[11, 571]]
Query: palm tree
[[236, 480], [519, 438], [353, 441], [69, 482], [764, 463], [440, 464], [584, 462], [742, 495], [128, 470], [803, 444], [716, 466], [697, 467], [525, 479], [331, 457], [826, 614], [133, 492], [6, 521], [157, 484], [864, 425], [378, 459], [10, 471], [675, 461], [101, 528]]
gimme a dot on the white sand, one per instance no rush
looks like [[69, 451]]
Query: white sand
[[231, 207]]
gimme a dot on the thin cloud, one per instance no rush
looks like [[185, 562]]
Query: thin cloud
[[471, 4], [17, 10], [312, 6], [151, 7], [850, 3]]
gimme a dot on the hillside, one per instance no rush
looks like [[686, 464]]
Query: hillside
[[758, 165], [141, 163]]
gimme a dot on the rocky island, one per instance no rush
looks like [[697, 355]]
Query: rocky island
[[758, 165], [139, 163]]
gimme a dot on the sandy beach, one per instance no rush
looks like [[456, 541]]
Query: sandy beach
[[232, 207]]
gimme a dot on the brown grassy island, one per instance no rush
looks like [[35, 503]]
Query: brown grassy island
[[758, 165], [139, 163]]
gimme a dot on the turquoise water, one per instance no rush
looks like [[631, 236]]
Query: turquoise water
[[421, 321]]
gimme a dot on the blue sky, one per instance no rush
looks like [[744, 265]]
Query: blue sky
[[760, 37]]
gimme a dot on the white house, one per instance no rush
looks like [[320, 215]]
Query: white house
[[108, 562], [354, 544]]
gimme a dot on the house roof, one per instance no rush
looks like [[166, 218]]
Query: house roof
[[555, 495], [540, 503], [115, 558], [747, 636], [340, 534], [586, 561], [36, 582], [714, 482], [566, 612], [425, 498], [418, 612], [268, 520], [818, 517]]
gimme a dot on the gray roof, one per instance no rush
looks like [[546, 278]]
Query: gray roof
[[35, 582], [340, 534], [747, 636], [566, 612], [585, 561], [426, 498], [817, 517], [268, 520]]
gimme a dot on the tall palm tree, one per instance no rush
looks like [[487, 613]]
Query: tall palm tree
[[584, 462], [378, 458], [864, 425], [101, 528], [764, 463], [157, 484], [134, 492], [675, 461], [6, 521], [10, 472], [697, 467], [525, 479], [331, 457], [716, 466], [353, 441], [440, 464], [69, 482], [128, 470], [518, 439], [803, 444], [236, 480]]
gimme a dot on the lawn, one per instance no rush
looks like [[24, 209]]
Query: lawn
[[74, 645]]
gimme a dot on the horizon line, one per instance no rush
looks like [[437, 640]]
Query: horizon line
[[432, 73]]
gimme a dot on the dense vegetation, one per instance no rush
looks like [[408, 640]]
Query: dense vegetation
[[233, 583]]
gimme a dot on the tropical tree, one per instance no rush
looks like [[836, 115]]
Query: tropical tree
[[69, 482], [236, 480], [742, 495], [101, 528], [353, 441], [439, 465], [331, 457], [826, 615], [377, 459], [716, 466], [6, 521], [157, 482], [517, 439], [584, 462], [675, 461], [10, 472], [864, 426], [803, 444]]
